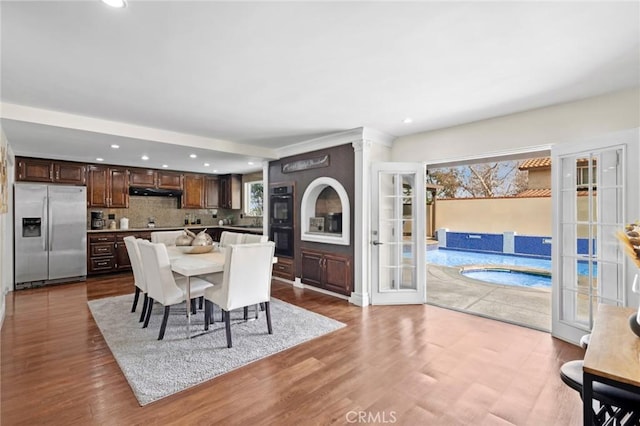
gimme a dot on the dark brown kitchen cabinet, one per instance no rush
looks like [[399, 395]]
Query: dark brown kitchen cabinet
[[38, 170], [230, 192], [211, 197], [101, 253], [193, 192], [150, 178], [107, 187], [142, 177], [284, 268], [122, 255], [107, 252], [329, 271], [169, 180], [71, 173]]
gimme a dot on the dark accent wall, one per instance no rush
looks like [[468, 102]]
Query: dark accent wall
[[341, 168]]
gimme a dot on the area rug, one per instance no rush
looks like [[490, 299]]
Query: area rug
[[158, 368]]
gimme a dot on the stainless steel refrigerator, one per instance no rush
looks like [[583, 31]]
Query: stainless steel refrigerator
[[50, 234]]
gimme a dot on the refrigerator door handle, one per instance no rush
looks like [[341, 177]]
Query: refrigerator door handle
[[50, 227], [44, 224]]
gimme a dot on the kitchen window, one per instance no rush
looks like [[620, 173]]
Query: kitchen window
[[253, 196]]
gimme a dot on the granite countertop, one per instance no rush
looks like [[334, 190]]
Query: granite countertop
[[251, 229]]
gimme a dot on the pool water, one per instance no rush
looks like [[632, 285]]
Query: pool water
[[460, 258], [455, 258], [520, 279]]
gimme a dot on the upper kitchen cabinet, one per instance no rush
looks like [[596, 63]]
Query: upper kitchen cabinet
[[211, 197], [149, 178], [142, 177], [193, 192], [108, 187], [230, 192], [38, 170], [169, 180]]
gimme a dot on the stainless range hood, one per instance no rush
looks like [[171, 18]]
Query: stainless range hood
[[155, 192]]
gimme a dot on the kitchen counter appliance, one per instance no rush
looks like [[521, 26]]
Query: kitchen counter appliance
[[97, 220], [50, 234]]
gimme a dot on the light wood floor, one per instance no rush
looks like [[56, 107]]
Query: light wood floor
[[412, 364]]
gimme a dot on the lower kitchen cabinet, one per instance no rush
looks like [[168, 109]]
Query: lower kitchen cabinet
[[284, 268], [107, 252], [329, 271]]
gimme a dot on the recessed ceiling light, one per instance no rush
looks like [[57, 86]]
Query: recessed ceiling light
[[99, 159], [215, 171], [207, 164], [115, 146], [408, 120], [193, 156], [164, 166], [250, 163], [115, 3], [145, 157]]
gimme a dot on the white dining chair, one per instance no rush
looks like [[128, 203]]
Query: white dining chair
[[228, 238], [254, 238], [138, 274], [168, 238], [161, 285], [246, 281]]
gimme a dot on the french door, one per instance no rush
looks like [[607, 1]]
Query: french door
[[398, 234], [594, 196]]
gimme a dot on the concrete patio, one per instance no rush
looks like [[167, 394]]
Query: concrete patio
[[529, 307]]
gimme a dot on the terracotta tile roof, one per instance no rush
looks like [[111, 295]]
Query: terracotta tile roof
[[534, 163], [535, 193]]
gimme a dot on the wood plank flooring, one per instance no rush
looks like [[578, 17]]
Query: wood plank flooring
[[392, 364]]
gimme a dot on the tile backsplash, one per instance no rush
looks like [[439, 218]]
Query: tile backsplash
[[165, 211]]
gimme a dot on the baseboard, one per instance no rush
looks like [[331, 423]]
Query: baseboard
[[2, 310], [359, 299]]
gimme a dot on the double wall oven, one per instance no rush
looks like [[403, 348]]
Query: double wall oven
[[281, 219]]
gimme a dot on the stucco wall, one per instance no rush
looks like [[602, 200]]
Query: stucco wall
[[539, 179], [517, 132], [526, 216]]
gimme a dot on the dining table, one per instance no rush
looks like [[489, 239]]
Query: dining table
[[195, 264]]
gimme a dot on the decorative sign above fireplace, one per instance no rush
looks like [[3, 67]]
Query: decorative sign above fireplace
[[310, 163]]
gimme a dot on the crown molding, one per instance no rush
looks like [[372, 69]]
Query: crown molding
[[351, 136]]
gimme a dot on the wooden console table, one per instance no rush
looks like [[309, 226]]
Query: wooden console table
[[612, 357]]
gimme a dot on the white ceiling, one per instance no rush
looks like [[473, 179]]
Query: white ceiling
[[236, 81]]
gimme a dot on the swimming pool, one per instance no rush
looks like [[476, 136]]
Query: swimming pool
[[460, 258], [521, 279], [455, 258]]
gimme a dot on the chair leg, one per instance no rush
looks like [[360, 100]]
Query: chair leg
[[145, 304], [207, 314], [164, 322], [268, 312], [193, 307], [262, 306], [200, 300], [149, 308], [227, 326], [257, 307], [246, 313], [135, 300]]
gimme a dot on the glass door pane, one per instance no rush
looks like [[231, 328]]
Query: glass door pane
[[592, 209], [399, 234]]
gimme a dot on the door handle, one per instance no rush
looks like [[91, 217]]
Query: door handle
[[376, 243]]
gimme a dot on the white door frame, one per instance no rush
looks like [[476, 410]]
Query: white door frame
[[386, 238], [629, 140]]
